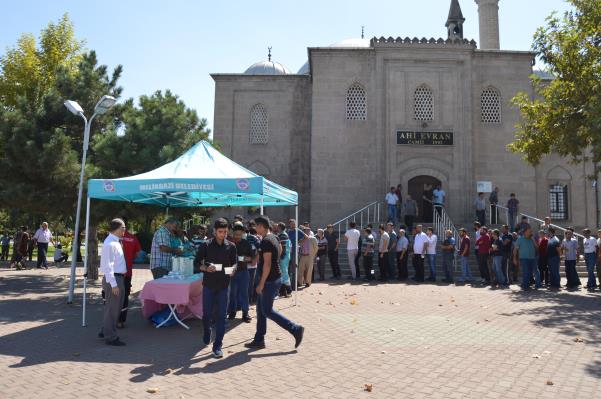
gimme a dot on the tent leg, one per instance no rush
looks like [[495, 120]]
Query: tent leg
[[85, 263], [167, 212], [296, 261], [262, 205]]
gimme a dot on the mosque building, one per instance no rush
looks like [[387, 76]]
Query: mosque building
[[363, 115]]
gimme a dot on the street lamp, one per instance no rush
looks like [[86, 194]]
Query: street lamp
[[102, 106]]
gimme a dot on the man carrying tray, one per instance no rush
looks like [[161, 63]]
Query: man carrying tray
[[216, 258]]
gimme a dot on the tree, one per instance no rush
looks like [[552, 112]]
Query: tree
[[565, 118], [42, 143], [29, 71]]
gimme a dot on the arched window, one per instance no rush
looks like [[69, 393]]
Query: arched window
[[356, 105], [490, 104], [423, 104], [558, 201], [258, 124]]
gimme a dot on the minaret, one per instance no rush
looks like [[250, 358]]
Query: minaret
[[488, 13], [455, 21]]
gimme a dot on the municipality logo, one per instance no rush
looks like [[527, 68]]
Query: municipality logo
[[243, 184], [108, 186]]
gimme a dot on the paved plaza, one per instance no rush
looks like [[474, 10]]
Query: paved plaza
[[405, 340]]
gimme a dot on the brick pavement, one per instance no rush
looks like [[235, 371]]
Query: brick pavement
[[426, 341]]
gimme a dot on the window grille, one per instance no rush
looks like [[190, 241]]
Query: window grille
[[258, 124], [558, 202], [490, 104], [423, 104], [356, 104]]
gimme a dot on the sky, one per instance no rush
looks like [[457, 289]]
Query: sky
[[176, 44]]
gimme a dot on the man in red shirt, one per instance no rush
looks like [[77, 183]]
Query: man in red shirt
[[484, 244], [131, 248]]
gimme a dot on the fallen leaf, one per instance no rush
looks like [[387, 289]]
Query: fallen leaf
[[393, 329], [383, 352], [486, 320], [536, 356], [440, 304], [278, 338], [152, 390], [578, 339], [549, 382], [353, 301], [368, 387]]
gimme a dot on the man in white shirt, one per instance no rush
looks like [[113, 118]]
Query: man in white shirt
[[431, 253], [420, 246], [42, 237], [352, 246], [391, 201], [112, 265], [590, 258]]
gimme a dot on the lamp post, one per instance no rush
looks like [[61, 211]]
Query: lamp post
[[102, 106]]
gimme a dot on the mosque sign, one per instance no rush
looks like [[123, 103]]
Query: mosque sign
[[404, 137]]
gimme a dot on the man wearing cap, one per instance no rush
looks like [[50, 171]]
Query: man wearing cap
[[161, 251], [246, 252], [212, 259]]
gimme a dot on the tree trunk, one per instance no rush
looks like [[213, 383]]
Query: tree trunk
[[93, 261]]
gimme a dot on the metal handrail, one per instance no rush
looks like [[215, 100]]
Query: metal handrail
[[442, 223], [369, 213], [562, 229], [498, 207]]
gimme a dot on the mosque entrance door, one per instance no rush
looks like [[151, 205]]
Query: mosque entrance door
[[420, 189]]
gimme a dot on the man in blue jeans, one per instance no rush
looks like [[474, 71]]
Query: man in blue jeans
[[525, 251], [268, 285], [246, 252], [212, 258]]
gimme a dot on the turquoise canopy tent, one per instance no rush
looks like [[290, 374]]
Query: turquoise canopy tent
[[201, 177]]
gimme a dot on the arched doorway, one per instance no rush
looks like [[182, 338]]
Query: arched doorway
[[418, 188]]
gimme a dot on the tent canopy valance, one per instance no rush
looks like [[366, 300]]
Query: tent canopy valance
[[201, 177]]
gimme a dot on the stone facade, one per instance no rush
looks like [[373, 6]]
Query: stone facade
[[333, 131]]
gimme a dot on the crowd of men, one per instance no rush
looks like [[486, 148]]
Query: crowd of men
[[257, 255], [525, 256]]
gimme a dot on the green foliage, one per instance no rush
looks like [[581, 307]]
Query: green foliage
[[30, 71], [41, 142], [565, 118]]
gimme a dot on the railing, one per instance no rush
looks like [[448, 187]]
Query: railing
[[364, 216], [556, 227], [442, 223], [498, 210]]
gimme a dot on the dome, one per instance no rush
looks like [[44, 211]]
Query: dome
[[304, 70], [346, 43], [352, 43], [267, 68]]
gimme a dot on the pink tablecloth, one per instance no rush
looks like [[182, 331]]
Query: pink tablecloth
[[186, 294]]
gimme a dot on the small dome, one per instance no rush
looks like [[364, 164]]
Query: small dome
[[267, 68], [346, 43], [304, 70]]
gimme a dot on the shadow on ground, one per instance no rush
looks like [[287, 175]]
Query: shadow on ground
[[57, 334], [575, 316]]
